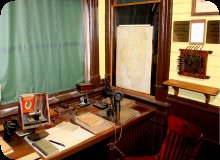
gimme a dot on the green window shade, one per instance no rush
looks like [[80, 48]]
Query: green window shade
[[41, 47]]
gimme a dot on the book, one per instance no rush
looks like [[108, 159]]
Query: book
[[93, 123], [45, 147], [5, 147]]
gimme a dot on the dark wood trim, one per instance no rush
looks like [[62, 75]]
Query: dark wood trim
[[164, 48], [204, 115], [194, 104], [112, 42], [107, 37], [94, 38], [11, 105]]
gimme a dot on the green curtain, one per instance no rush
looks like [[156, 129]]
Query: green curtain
[[41, 47]]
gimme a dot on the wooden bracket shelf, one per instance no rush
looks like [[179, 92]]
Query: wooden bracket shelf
[[207, 91]]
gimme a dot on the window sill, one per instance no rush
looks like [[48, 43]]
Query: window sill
[[54, 99]]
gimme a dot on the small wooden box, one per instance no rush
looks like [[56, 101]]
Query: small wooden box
[[85, 87]]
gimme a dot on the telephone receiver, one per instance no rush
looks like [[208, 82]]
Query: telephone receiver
[[117, 96]]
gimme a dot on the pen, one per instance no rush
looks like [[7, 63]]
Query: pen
[[57, 143]]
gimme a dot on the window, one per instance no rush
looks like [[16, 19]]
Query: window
[[133, 76], [163, 49], [41, 47]]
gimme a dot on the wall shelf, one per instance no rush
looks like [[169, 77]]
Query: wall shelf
[[206, 90]]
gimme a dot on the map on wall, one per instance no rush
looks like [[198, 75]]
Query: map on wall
[[134, 57]]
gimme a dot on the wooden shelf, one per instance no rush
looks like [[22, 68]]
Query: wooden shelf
[[207, 91]]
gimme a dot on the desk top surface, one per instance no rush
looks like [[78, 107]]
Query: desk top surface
[[22, 148]]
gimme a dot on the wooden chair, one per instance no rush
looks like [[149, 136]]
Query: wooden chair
[[182, 142]]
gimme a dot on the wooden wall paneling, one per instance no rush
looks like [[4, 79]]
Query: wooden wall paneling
[[99, 151], [94, 38], [199, 113], [135, 141], [209, 151], [107, 36], [164, 48], [204, 115]]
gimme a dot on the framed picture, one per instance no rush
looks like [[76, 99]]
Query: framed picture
[[197, 31], [202, 7]]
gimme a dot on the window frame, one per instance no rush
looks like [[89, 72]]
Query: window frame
[[164, 48]]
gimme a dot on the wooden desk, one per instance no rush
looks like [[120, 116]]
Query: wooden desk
[[22, 148]]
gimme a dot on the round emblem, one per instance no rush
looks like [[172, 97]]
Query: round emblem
[[28, 105]]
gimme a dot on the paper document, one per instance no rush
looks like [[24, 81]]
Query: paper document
[[93, 123], [67, 134], [45, 147]]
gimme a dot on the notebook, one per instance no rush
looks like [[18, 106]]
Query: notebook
[[45, 147]]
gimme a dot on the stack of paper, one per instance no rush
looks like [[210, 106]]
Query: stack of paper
[[93, 123], [66, 134]]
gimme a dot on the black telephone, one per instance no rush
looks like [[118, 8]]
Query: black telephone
[[116, 96]]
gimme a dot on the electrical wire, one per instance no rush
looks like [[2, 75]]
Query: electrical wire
[[112, 145]]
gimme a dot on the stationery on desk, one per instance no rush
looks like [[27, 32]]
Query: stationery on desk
[[5, 147], [96, 123], [61, 137], [58, 143], [45, 147], [93, 123]]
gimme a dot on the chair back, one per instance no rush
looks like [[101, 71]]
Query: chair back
[[183, 140]]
